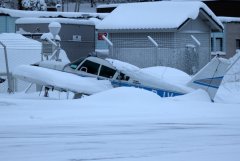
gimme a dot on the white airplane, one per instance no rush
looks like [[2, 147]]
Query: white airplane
[[92, 74]]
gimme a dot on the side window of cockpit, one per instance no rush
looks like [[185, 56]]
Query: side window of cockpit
[[107, 72], [89, 67], [122, 76], [76, 63]]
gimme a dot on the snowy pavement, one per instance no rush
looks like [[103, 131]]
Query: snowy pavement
[[119, 124]]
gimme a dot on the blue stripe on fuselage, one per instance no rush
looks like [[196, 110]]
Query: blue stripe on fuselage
[[160, 92]]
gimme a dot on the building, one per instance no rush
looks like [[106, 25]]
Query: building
[[77, 36], [77, 33], [174, 34], [7, 24], [18, 50], [226, 43]]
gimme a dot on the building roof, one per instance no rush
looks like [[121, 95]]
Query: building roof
[[156, 15], [31, 20], [229, 19], [46, 14], [17, 41], [20, 50]]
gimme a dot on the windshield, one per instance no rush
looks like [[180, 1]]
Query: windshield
[[76, 63]]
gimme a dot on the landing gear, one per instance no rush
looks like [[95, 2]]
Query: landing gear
[[46, 89]]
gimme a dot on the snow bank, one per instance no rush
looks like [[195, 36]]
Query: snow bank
[[139, 127], [229, 92], [195, 96], [123, 96]]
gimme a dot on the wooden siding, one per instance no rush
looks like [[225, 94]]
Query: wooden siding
[[232, 33], [3, 26], [7, 24]]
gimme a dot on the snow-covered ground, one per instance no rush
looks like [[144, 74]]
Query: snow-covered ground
[[119, 124], [124, 123]]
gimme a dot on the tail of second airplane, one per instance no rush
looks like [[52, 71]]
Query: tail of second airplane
[[210, 77]]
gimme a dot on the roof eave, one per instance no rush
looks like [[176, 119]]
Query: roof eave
[[215, 26], [137, 30]]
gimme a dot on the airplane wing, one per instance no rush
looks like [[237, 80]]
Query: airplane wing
[[61, 80]]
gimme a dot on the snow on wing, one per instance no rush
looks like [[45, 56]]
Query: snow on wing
[[61, 80]]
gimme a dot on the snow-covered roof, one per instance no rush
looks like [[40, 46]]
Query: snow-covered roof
[[31, 20], [229, 19], [21, 13], [113, 5], [155, 15], [17, 41]]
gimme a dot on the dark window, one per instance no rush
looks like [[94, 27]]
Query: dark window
[[238, 44], [212, 44], [219, 44], [123, 77], [90, 67], [76, 63], [107, 72]]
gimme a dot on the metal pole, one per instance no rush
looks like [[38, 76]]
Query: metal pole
[[67, 5], [62, 5], [7, 68], [110, 44], [156, 48]]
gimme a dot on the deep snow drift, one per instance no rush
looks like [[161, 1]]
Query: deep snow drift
[[119, 124]]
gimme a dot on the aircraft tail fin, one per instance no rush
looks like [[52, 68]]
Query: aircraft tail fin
[[210, 77]]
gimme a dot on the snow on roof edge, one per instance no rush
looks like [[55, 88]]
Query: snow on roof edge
[[23, 13], [14, 40], [224, 19], [32, 20], [113, 5], [192, 12]]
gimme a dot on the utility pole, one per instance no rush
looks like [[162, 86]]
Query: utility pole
[[62, 5], [77, 6], [10, 88], [92, 3]]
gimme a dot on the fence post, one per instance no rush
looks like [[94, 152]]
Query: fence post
[[10, 90], [155, 48]]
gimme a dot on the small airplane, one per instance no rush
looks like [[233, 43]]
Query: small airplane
[[109, 73]]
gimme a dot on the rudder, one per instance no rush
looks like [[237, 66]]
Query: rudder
[[210, 77]]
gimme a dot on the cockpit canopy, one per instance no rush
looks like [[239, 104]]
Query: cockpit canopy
[[97, 67]]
